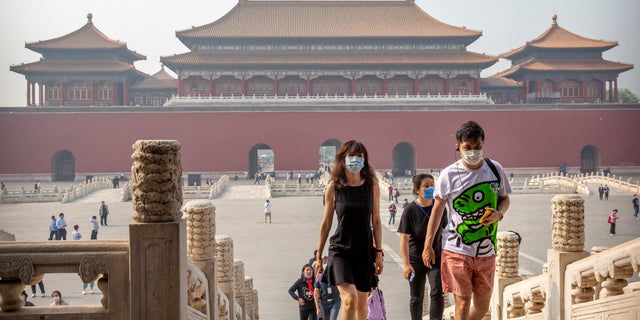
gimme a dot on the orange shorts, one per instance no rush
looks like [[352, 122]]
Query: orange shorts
[[464, 275]]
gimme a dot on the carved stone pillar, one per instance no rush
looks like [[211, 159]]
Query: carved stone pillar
[[249, 304], [507, 265], [200, 217], [256, 310], [239, 278], [157, 235], [568, 245], [224, 269]]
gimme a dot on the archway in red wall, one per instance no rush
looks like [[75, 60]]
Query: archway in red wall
[[327, 153], [261, 159], [404, 159], [589, 159], [63, 166]]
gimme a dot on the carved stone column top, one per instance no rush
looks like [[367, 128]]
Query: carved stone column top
[[156, 181]]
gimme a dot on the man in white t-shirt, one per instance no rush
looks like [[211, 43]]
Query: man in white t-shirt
[[477, 193], [267, 211]]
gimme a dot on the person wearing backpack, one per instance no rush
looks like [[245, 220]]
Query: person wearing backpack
[[476, 191]]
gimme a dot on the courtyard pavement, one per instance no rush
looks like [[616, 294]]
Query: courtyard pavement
[[274, 253]]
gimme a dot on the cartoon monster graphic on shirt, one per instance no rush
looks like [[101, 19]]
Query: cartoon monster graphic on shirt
[[470, 206]]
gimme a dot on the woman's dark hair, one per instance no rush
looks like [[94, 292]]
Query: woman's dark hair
[[338, 175], [417, 181], [304, 267], [470, 130], [59, 294]]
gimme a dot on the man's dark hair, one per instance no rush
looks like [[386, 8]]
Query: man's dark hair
[[470, 130]]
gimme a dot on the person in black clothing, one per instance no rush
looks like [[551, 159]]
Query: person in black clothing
[[302, 291], [413, 230], [355, 252]]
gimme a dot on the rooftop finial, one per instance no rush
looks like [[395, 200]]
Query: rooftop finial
[[554, 17], [89, 17]]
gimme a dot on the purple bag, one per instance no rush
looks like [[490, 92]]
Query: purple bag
[[375, 304]]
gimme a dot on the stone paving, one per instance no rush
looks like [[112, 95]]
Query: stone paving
[[273, 254]]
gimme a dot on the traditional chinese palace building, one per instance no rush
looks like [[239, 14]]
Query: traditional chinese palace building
[[82, 68], [296, 48], [560, 66], [294, 79]]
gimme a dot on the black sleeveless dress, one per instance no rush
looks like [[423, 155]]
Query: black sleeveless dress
[[351, 246]]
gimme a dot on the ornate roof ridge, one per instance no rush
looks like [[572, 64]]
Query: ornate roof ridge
[[557, 37], [325, 19]]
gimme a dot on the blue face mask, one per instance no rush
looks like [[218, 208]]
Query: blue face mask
[[354, 164], [428, 193], [307, 277]]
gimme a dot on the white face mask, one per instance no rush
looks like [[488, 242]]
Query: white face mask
[[56, 299], [472, 157]]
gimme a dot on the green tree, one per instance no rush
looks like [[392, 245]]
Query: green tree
[[626, 96]]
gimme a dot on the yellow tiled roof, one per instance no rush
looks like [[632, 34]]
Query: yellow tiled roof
[[333, 58], [86, 38], [556, 37], [576, 65], [160, 80], [326, 19], [72, 66]]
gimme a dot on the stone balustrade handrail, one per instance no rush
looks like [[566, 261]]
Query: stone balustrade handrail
[[259, 100], [26, 263], [525, 297], [55, 194], [602, 275]]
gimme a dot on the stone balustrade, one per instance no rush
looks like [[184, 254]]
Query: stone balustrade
[[598, 286], [291, 188], [26, 263], [313, 100], [167, 270], [56, 194]]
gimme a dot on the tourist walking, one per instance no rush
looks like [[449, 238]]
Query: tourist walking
[[103, 212], [392, 214], [355, 251], [53, 229], [94, 228], [41, 286], [601, 191], [61, 227], [413, 229], [267, 211], [476, 191], [636, 206], [327, 296], [612, 222], [76, 235], [302, 292], [606, 192]]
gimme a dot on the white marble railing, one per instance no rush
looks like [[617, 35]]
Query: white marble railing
[[205, 192], [339, 99], [611, 181], [291, 188], [525, 298], [25, 263], [55, 194], [598, 286]]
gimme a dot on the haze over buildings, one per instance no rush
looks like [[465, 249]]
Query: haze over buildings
[[149, 28]]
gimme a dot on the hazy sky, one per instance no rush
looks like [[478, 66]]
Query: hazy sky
[[148, 27]]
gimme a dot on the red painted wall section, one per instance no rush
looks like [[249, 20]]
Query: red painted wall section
[[219, 141]]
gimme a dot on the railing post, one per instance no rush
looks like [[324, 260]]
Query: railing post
[[157, 234], [507, 266], [568, 244], [224, 268], [200, 216]]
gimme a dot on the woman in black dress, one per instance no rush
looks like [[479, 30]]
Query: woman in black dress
[[355, 254]]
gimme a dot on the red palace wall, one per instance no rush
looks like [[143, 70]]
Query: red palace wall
[[221, 141]]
